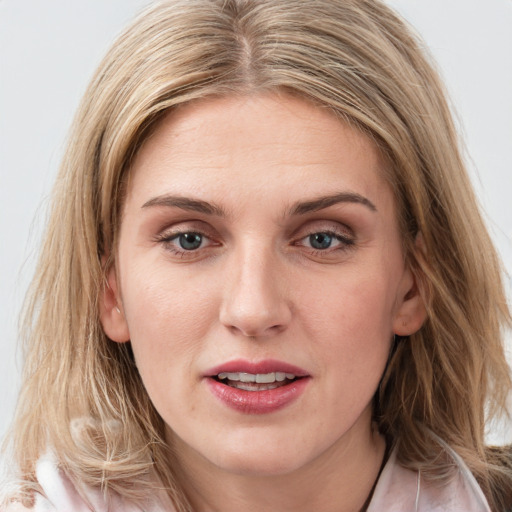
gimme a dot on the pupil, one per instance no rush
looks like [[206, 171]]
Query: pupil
[[320, 240], [190, 241]]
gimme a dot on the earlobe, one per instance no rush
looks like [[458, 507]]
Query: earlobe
[[112, 316]]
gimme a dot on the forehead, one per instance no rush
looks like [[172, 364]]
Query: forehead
[[254, 141]]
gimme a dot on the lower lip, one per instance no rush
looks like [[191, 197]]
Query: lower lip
[[257, 402]]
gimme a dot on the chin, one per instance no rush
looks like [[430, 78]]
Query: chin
[[260, 464], [252, 455]]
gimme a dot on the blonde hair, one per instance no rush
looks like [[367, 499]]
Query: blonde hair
[[354, 57]]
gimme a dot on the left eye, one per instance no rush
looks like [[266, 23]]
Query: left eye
[[188, 241], [324, 240], [321, 240]]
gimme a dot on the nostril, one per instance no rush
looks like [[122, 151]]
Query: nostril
[[254, 306], [255, 333]]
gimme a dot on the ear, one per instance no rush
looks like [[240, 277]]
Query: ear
[[111, 311], [411, 311]]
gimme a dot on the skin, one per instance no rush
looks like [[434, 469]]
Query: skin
[[256, 288]]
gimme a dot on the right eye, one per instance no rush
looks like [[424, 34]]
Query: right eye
[[186, 243]]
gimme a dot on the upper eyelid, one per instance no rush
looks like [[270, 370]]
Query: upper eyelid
[[170, 236], [334, 233], [323, 226], [302, 229], [187, 226]]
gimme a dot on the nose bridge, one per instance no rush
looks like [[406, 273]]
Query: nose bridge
[[254, 299]]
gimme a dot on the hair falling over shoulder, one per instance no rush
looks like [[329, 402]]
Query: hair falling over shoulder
[[82, 394]]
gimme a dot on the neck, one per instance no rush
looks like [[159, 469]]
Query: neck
[[338, 480]]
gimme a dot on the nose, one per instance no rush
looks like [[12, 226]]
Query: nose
[[255, 300]]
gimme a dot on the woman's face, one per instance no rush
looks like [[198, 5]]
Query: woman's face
[[259, 242]]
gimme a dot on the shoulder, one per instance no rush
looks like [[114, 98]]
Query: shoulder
[[57, 491], [59, 494], [15, 507], [402, 490]]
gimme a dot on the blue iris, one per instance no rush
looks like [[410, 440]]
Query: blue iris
[[190, 241], [320, 240]]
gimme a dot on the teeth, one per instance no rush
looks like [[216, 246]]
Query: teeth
[[230, 376], [260, 378], [254, 386], [265, 378]]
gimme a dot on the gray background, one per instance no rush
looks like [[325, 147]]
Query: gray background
[[48, 51]]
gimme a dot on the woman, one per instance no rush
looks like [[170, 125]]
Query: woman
[[265, 282]]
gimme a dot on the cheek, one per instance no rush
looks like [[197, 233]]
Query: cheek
[[158, 300], [351, 323], [168, 319], [360, 305]]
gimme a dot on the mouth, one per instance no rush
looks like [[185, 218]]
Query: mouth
[[257, 388], [256, 381]]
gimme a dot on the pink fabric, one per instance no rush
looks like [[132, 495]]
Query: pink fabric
[[398, 490], [403, 490], [61, 495]]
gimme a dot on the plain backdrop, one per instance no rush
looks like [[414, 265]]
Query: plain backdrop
[[49, 49]]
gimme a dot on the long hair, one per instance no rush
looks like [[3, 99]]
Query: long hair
[[82, 394]]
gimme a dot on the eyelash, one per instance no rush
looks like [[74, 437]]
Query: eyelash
[[168, 239], [345, 242]]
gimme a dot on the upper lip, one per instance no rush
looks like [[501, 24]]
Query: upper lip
[[256, 367]]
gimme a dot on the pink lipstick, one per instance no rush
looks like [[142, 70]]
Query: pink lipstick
[[257, 388]]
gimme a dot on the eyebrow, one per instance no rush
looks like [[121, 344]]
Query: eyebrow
[[185, 203], [298, 208], [319, 203]]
